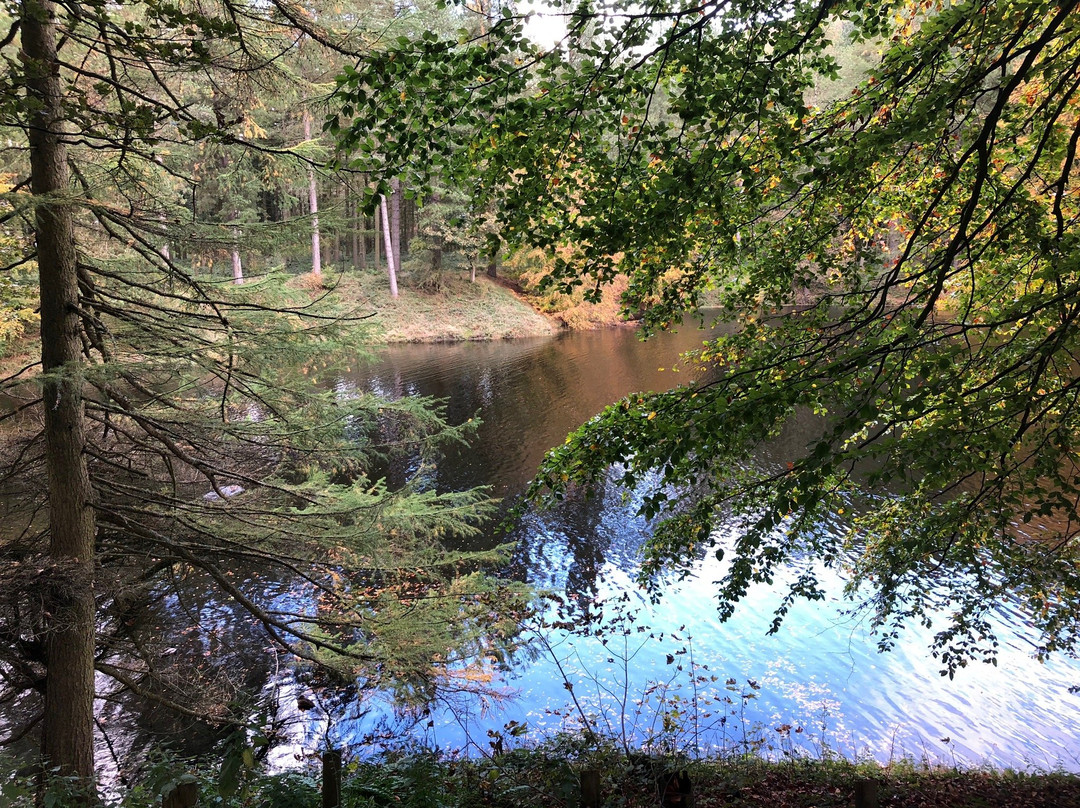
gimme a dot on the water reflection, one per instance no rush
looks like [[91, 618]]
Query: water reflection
[[821, 676]]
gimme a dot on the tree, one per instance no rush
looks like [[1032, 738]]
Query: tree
[[185, 425], [67, 728], [313, 207], [902, 261]]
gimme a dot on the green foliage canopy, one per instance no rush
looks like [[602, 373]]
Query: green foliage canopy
[[902, 261]]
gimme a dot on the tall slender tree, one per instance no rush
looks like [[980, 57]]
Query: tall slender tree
[[391, 247], [313, 206], [69, 610]]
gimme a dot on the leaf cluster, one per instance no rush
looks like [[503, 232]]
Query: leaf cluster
[[901, 262]]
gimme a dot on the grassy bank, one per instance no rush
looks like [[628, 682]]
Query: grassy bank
[[458, 310], [455, 310]]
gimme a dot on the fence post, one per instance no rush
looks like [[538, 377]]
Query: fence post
[[590, 788], [185, 794], [331, 778], [866, 794]]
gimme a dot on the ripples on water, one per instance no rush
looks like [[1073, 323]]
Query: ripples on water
[[817, 685]]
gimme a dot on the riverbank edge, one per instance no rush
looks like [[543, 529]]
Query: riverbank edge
[[463, 310], [571, 770]]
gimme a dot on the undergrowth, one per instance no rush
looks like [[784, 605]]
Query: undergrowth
[[552, 773]]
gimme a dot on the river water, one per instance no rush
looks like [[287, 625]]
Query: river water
[[818, 687]]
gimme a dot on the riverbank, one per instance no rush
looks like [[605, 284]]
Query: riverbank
[[524, 778], [458, 311], [520, 778]]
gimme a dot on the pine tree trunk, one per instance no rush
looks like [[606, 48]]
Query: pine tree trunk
[[234, 252], [391, 250], [408, 224], [357, 221], [237, 266], [67, 728], [377, 236], [395, 221], [313, 199], [163, 250]]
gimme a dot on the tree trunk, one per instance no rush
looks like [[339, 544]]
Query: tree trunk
[[313, 199], [395, 221], [408, 226], [376, 219], [436, 240], [331, 778], [391, 262], [67, 742], [436, 254], [356, 220], [163, 250], [237, 266]]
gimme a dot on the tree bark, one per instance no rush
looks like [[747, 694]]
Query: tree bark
[[408, 224], [376, 220], [331, 778], [164, 248], [67, 728], [237, 265], [395, 221], [391, 262], [356, 220], [313, 199], [363, 220]]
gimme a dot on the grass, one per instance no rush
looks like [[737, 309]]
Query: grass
[[458, 311]]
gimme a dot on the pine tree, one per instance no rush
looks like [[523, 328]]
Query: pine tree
[[189, 426]]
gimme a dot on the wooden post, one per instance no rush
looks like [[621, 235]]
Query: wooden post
[[677, 791], [866, 794], [331, 778], [184, 794], [590, 788]]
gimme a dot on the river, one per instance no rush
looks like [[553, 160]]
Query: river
[[818, 687]]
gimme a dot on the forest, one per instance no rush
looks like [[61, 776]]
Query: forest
[[203, 204]]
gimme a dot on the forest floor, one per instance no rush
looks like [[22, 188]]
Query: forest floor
[[459, 310]]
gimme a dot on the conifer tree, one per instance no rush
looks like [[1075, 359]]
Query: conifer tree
[[176, 425]]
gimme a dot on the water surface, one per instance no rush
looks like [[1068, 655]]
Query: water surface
[[818, 685]]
